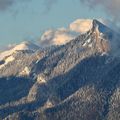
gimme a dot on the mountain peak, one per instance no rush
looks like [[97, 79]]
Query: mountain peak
[[98, 37], [20, 47], [84, 25], [102, 28], [26, 45]]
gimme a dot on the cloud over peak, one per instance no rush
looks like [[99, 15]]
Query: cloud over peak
[[56, 37], [81, 25], [63, 35], [111, 7]]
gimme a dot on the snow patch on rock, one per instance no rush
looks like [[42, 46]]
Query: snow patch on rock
[[22, 46], [25, 72], [41, 79], [7, 60]]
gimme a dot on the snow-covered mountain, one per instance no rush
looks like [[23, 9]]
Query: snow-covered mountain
[[79, 80], [23, 46], [8, 55]]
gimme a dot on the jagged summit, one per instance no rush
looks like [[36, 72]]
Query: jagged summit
[[101, 37], [85, 25], [101, 34], [103, 28], [98, 37], [92, 24]]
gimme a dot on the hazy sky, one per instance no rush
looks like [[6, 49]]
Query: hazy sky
[[28, 20]]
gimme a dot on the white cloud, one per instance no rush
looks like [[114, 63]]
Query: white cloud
[[81, 25], [63, 35], [56, 37]]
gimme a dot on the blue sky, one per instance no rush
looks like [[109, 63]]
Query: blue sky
[[28, 20]]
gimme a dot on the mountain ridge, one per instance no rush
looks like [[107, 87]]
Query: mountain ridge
[[78, 80]]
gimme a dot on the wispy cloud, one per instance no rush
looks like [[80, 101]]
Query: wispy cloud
[[81, 25], [111, 7], [63, 35], [6, 4], [49, 4], [56, 37]]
